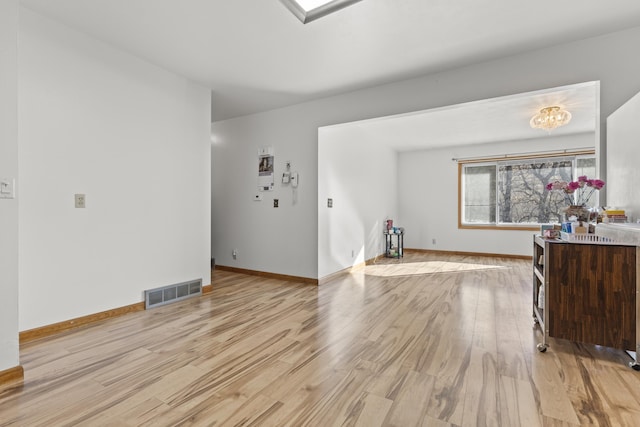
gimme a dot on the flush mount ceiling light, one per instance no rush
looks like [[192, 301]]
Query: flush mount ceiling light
[[310, 10], [550, 118]]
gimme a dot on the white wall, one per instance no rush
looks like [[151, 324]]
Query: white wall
[[267, 238], [623, 157], [135, 139], [9, 169], [428, 196], [293, 130], [362, 181]]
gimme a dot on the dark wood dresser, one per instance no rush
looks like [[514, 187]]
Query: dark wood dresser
[[590, 293]]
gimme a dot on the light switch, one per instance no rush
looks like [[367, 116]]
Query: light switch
[[7, 188]]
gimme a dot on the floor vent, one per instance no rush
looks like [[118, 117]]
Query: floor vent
[[172, 293]]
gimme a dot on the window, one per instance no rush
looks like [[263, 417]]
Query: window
[[513, 192]]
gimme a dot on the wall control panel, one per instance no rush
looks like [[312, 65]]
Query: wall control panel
[[7, 188]]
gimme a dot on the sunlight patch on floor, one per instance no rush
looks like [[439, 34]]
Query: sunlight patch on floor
[[427, 267]]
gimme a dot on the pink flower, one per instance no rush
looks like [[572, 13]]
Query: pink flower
[[557, 185], [576, 192]]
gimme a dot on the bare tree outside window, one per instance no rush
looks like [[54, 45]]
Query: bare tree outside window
[[523, 196], [514, 192]]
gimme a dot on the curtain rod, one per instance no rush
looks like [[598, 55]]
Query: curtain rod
[[573, 151]]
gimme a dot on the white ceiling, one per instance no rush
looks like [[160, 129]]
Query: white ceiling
[[491, 120], [255, 55]]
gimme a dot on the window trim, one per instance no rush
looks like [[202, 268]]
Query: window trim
[[306, 16], [495, 159]]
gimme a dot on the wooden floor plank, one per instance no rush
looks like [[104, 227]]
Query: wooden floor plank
[[409, 404], [481, 397], [517, 404], [427, 340]]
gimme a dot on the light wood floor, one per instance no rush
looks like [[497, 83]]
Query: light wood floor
[[430, 340]]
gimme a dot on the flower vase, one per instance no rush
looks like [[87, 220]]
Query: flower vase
[[581, 213]]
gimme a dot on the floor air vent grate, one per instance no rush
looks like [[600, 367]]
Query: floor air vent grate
[[172, 293]]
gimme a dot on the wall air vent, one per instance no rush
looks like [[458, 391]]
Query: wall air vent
[[172, 293]]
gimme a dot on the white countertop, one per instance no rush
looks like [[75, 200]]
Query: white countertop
[[625, 233]]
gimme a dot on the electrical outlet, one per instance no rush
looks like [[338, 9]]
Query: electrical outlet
[[433, 241], [353, 253], [80, 200], [329, 203], [235, 254], [275, 203]]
